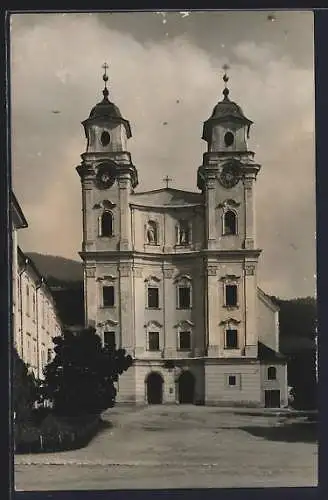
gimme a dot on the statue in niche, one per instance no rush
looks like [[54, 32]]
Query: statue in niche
[[184, 233], [151, 233]]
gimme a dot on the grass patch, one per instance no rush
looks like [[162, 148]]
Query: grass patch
[[55, 433]]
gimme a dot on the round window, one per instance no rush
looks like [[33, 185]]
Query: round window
[[228, 138], [105, 138]]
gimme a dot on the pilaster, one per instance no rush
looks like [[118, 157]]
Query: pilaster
[[139, 311], [210, 212], [87, 203], [249, 213], [250, 309], [170, 339], [126, 307], [212, 310], [125, 218], [90, 294]]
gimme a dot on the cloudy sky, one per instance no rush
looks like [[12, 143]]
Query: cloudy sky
[[156, 60]]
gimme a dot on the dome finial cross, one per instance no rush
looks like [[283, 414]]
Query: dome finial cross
[[225, 78], [105, 78]]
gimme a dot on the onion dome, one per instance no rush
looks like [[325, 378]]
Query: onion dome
[[225, 110], [107, 110]]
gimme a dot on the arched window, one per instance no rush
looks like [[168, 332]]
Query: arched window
[[272, 373], [106, 224], [229, 222]]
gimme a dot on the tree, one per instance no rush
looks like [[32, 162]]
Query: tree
[[80, 379], [24, 389], [298, 321], [297, 317]]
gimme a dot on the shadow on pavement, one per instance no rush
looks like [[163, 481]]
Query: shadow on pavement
[[289, 433]]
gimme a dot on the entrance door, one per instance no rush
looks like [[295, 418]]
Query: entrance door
[[154, 389], [272, 399], [186, 388]]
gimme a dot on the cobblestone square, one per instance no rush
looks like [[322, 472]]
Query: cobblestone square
[[160, 447]]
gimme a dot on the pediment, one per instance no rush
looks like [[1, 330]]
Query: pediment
[[107, 322], [230, 277], [229, 202], [154, 323], [184, 324], [182, 277], [230, 321], [105, 204], [152, 279], [108, 277]]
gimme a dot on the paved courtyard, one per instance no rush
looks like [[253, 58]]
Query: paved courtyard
[[180, 447]]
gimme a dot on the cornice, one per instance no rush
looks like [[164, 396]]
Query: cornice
[[131, 254]]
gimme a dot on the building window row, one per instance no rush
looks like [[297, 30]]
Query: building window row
[[183, 228], [36, 306], [184, 341], [184, 296], [183, 299], [234, 380]]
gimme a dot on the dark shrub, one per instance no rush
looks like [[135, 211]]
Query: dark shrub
[[80, 379]]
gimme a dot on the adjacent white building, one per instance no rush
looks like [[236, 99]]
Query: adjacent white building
[[35, 318], [171, 275]]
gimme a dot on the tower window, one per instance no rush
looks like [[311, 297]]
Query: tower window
[[229, 223], [231, 340], [231, 295], [229, 138], [153, 297], [109, 340], [105, 138], [106, 224], [185, 341], [232, 380], [108, 296], [272, 373], [184, 297], [27, 300], [153, 341]]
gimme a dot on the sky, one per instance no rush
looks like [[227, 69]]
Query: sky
[[165, 75]]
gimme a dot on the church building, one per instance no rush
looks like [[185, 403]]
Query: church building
[[171, 275]]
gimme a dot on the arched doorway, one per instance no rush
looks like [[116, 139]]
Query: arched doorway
[[154, 385], [186, 385]]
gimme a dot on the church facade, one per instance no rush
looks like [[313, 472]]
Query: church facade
[[171, 275]]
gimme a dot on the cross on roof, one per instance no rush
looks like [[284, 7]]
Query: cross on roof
[[167, 179], [105, 66]]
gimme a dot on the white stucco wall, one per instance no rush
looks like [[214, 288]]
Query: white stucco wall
[[267, 322]]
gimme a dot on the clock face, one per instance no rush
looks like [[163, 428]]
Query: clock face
[[229, 176], [105, 176]]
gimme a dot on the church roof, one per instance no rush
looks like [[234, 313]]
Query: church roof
[[105, 108], [167, 197], [223, 111], [267, 300], [18, 216], [265, 353], [228, 109]]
